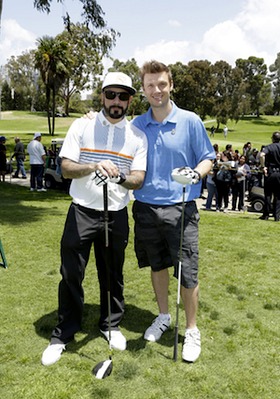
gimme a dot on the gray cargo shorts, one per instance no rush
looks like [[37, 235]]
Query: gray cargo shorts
[[157, 238]]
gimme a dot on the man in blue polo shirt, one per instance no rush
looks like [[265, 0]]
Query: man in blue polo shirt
[[176, 138]]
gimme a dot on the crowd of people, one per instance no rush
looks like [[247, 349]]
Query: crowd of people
[[233, 174]]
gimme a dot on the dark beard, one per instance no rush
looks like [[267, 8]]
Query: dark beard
[[113, 113]]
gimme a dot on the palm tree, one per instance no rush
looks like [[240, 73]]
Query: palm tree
[[51, 61]]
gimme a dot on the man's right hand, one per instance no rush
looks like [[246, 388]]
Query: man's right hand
[[90, 115]]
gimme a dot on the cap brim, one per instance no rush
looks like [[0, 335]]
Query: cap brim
[[131, 90]]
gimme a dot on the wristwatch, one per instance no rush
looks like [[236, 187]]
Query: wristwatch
[[122, 178]]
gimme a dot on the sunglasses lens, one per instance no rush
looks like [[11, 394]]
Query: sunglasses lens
[[124, 96], [111, 95]]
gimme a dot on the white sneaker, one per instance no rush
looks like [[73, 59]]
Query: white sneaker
[[41, 189], [52, 354], [118, 340], [192, 346], [158, 327]]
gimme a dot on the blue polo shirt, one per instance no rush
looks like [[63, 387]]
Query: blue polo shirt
[[180, 140]]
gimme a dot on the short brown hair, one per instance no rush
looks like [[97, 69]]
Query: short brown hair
[[276, 137], [154, 67]]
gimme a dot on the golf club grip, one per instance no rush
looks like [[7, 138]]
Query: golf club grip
[[106, 214]]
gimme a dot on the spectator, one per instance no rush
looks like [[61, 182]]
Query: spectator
[[236, 155], [225, 131], [19, 155], [3, 158], [216, 148], [253, 159], [37, 155], [239, 183], [223, 180], [270, 161], [229, 155], [247, 150], [212, 188]]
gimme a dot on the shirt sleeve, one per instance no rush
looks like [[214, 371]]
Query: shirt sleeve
[[71, 145], [140, 158]]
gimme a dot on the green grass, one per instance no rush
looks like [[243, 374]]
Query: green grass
[[250, 128], [23, 124], [238, 315]]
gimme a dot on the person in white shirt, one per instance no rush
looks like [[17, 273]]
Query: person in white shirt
[[37, 156], [106, 149]]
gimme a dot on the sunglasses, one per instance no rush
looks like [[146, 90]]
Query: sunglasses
[[111, 95]]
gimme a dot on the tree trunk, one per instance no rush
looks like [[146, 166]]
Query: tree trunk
[[53, 112], [48, 108]]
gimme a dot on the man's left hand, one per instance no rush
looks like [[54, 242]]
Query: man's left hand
[[185, 175]]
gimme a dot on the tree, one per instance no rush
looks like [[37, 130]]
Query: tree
[[51, 61], [6, 97], [90, 41], [92, 12], [23, 78], [228, 93], [85, 51], [274, 77], [193, 86], [254, 76]]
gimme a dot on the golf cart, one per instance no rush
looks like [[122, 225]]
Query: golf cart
[[52, 175], [256, 198]]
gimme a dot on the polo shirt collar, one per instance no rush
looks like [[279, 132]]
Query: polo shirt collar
[[171, 117], [104, 121]]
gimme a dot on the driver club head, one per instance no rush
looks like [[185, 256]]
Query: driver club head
[[103, 369]]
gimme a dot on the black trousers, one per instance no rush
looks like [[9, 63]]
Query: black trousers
[[83, 228], [36, 176], [238, 192], [272, 195]]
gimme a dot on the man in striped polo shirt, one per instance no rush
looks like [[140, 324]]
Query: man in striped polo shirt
[[106, 149]]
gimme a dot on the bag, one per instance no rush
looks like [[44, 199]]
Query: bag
[[224, 175]]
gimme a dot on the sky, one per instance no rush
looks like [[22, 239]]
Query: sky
[[166, 30]]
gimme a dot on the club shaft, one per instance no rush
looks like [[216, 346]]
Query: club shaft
[[176, 339], [106, 226]]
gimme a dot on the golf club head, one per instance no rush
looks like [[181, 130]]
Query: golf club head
[[103, 369]]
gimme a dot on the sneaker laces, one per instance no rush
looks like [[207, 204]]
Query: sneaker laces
[[161, 323], [192, 338]]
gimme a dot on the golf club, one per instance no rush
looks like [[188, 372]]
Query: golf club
[[103, 369], [175, 352]]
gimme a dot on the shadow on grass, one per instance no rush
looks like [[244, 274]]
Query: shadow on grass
[[19, 205], [135, 319]]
